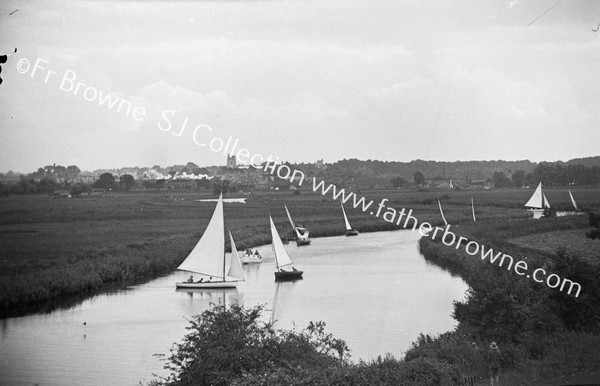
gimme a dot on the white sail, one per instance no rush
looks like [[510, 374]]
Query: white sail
[[208, 256], [301, 233], [348, 227], [289, 216], [282, 258], [473, 209], [235, 268], [573, 201], [442, 212], [538, 200]]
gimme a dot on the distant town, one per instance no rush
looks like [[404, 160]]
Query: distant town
[[348, 173]]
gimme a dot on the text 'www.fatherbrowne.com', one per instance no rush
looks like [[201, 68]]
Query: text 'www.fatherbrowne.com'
[[406, 219]]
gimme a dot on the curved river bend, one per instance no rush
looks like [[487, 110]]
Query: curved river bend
[[375, 291]]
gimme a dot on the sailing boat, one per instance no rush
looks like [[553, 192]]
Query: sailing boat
[[285, 268], [208, 257], [300, 232], [538, 202], [473, 209], [574, 203], [349, 230]]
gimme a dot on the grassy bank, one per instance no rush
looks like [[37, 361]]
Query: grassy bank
[[543, 333], [53, 249]]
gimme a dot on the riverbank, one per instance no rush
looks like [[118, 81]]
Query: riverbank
[[544, 334], [56, 249]]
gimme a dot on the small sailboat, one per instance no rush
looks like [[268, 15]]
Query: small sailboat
[[249, 257], [349, 230], [538, 202], [473, 209], [285, 268], [208, 259], [301, 233], [574, 203]]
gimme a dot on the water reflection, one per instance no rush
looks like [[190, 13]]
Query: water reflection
[[206, 297]]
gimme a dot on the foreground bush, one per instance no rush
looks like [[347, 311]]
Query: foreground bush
[[232, 346]]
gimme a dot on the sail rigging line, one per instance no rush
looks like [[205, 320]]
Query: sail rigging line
[[548, 10]]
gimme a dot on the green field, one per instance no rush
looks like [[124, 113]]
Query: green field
[[55, 248]]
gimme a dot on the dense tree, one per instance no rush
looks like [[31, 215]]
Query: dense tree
[[398, 182], [595, 224], [200, 171], [105, 181], [220, 186], [500, 180], [518, 178], [73, 172], [127, 180], [203, 183], [419, 178]]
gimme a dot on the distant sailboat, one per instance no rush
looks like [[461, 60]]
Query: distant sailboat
[[442, 212], [300, 232], [473, 209], [538, 202], [573, 201], [349, 230], [208, 257], [285, 268]]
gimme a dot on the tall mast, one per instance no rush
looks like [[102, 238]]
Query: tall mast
[[273, 241], [224, 260]]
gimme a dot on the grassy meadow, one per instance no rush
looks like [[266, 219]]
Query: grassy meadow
[[56, 249]]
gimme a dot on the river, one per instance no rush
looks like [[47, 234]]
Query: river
[[375, 291]]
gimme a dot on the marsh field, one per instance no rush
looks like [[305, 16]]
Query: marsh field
[[55, 250]]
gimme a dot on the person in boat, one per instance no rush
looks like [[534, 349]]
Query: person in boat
[[256, 252], [190, 279], [201, 280], [294, 269]]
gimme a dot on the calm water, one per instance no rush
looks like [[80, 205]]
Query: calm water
[[375, 291]]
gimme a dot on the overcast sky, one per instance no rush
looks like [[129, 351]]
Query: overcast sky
[[301, 80]]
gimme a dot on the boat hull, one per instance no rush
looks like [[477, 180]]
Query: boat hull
[[301, 242], [352, 232], [207, 284], [288, 275], [251, 259]]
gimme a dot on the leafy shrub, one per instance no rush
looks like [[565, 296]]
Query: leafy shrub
[[229, 343]]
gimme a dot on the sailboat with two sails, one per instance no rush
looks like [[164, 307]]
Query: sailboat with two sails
[[208, 258], [300, 232], [538, 203]]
